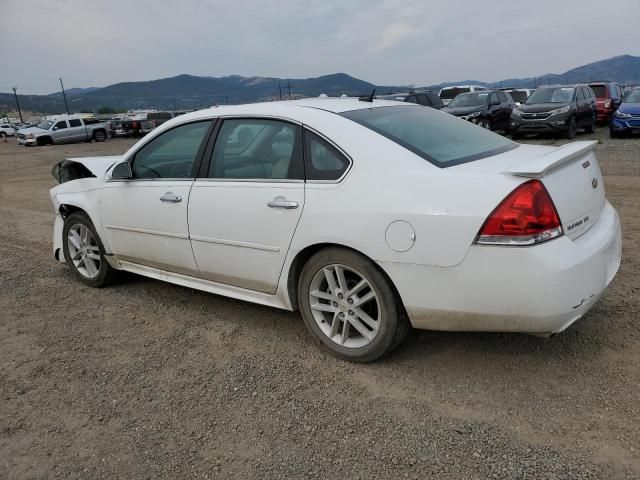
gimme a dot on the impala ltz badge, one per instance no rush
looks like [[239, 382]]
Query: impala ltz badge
[[594, 182]]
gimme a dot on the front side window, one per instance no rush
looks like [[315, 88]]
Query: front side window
[[75, 123], [322, 160], [440, 138], [171, 154], [61, 125], [257, 149]]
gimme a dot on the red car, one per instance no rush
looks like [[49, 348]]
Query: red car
[[608, 99]]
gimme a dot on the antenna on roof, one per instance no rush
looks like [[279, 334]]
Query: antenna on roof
[[368, 98]]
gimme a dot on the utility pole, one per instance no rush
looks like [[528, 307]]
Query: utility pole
[[17, 104], [289, 89], [65, 97], [280, 89]]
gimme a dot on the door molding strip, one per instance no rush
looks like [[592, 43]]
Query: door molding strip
[[233, 243], [147, 231]]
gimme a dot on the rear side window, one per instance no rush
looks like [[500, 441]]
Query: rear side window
[[322, 160], [257, 149], [75, 123], [442, 139], [580, 94]]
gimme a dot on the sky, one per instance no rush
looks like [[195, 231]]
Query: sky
[[392, 42]]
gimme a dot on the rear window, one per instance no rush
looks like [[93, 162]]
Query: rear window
[[449, 93], [159, 116], [440, 138], [518, 95], [599, 90]]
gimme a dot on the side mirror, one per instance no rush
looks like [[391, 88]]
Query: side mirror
[[54, 128], [122, 171]]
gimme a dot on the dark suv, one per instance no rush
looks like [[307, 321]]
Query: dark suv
[[490, 109], [557, 109], [608, 99], [428, 99]]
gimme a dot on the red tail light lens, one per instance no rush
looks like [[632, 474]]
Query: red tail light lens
[[525, 217]]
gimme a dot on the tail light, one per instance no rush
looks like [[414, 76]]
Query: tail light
[[607, 104], [527, 216]]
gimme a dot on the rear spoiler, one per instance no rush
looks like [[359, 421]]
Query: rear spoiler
[[540, 166]]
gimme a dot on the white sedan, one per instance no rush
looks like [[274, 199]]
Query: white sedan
[[368, 216]]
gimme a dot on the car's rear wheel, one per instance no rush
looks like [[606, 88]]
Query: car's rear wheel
[[84, 251], [592, 126], [571, 128], [349, 305], [99, 136]]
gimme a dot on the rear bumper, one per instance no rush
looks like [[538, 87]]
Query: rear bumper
[[539, 290]]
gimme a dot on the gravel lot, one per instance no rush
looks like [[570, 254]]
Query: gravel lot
[[150, 380]]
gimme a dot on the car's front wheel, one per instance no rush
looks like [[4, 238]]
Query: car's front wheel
[[349, 305], [84, 252], [571, 129]]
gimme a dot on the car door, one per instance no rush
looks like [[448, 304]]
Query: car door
[[76, 130], [506, 106], [60, 132], [145, 217], [245, 207]]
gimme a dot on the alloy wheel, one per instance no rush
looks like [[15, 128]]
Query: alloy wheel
[[84, 251], [344, 306]]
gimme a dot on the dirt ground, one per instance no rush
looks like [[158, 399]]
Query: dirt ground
[[149, 380]]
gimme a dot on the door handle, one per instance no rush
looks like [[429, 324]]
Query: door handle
[[281, 202], [170, 197]]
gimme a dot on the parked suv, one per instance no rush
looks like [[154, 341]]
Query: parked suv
[[428, 99], [608, 99], [449, 93], [556, 109], [490, 109], [67, 129]]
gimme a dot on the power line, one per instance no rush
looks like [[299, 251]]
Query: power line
[[65, 97], [17, 104]]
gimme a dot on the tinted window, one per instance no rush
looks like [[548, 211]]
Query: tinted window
[[519, 95], [75, 123], [580, 94], [494, 98], [503, 98], [322, 160], [444, 140], [599, 90], [61, 125], [452, 92], [469, 100], [423, 99], [159, 116], [172, 153], [257, 149], [435, 100], [411, 99]]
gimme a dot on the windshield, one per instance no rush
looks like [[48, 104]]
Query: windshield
[[45, 124], [633, 97], [599, 90], [551, 95], [469, 100], [452, 92], [440, 138]]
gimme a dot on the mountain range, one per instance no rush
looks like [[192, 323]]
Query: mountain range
[[190, 92]]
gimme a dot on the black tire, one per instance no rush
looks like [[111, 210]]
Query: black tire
[[394, 324], [571, 129], [3, 135], [99, 136], [41, 141], [592, 126], [106, 274]]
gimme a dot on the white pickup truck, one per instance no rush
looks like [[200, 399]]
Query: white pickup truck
[[67, 129]]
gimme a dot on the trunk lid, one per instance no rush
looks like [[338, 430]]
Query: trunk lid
[[572, 176]]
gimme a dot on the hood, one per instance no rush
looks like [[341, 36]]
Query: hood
[[630, 108], [458, 111], [85, 167], [32, 130], [541, 107]]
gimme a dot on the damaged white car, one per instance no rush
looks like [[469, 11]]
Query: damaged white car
[[368, 216]]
